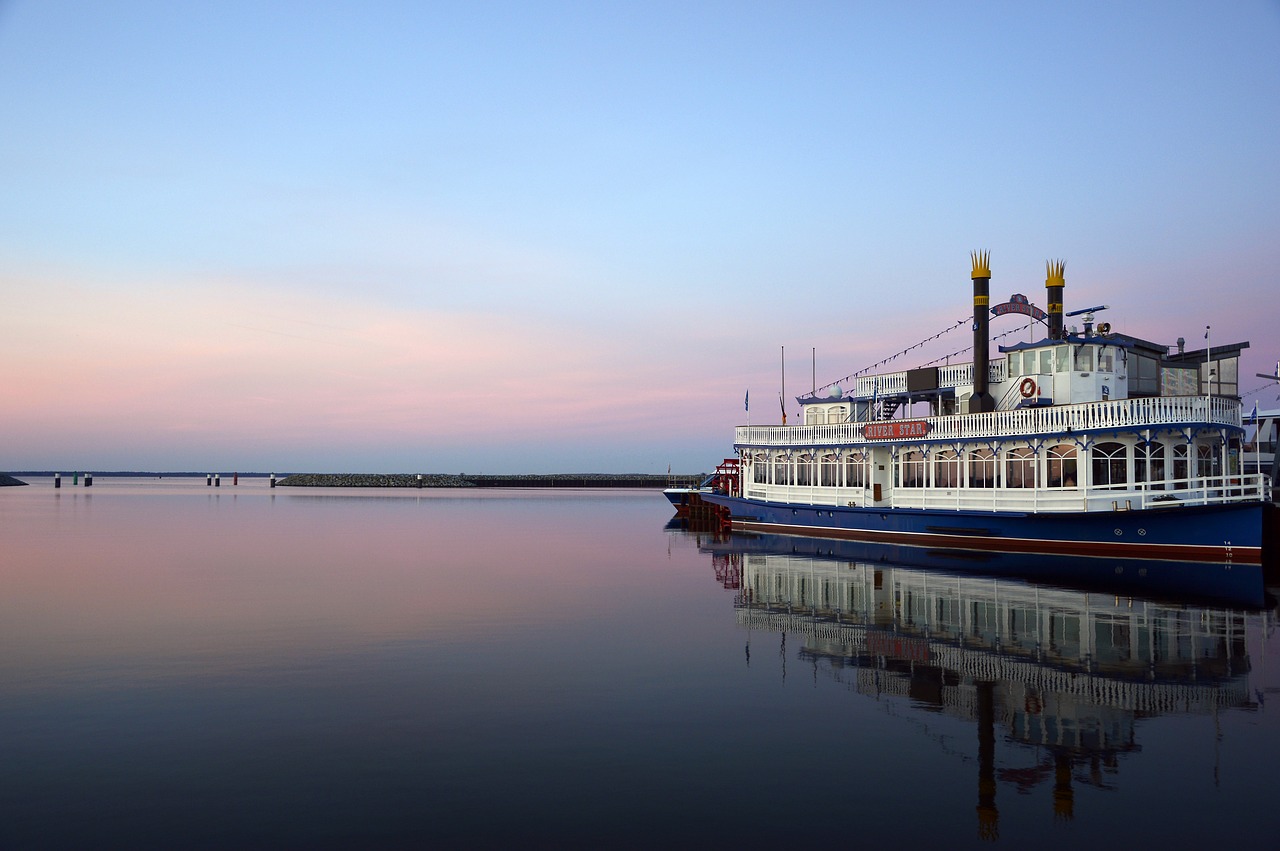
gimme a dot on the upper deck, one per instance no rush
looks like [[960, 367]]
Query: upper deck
[[1121, 414]]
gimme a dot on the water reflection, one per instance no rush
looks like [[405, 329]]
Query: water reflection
[[1064, 675]]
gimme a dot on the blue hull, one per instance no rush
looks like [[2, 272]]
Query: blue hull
[[1212, 533]]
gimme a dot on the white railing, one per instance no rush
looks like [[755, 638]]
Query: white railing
[[1058, 419], [895, 383], [1205, 490]]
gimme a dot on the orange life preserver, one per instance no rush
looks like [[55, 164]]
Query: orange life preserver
[[1027, 388]]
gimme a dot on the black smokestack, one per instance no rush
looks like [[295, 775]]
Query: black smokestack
[[981, 401], [1054, 282]]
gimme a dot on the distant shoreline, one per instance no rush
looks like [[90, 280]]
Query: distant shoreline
[[425, 480]]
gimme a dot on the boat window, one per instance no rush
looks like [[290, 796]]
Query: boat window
[[804, 470], [1063, 354], [829, 470], [1206, 461], [812, 415], [1020, 468], [1148, 464], [946, 469], [837, 414], [1046, 361], [1181, 470], [982, 468], [1061, 466], [910, 470], [1015, 364], [1105, 359], [1109, 464], [1084, 359], [760, 468], [855, 470]]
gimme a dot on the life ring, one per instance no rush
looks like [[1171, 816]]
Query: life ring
[[1033, 705], [1027, 388]]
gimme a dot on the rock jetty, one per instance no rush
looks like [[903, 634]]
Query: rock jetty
[[6, 481], [463, 480]]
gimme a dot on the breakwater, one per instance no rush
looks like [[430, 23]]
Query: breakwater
[[464, 480]]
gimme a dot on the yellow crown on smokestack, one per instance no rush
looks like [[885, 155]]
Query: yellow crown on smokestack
[[1054, 270], [981, 264]]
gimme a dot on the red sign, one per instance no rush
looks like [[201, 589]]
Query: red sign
[[895, 429]]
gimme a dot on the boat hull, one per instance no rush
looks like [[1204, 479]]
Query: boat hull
[[1218, 533]]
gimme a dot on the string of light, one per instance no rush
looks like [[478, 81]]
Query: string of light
[[866, 369]]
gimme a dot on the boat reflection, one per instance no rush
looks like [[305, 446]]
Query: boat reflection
[[1061, 675]]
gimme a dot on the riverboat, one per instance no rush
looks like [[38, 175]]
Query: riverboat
[[1085, 442]]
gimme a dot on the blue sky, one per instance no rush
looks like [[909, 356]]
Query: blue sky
[[569, 236]]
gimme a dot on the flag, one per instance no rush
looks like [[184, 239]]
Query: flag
[[1206, 332], [746, 401], [784, 409], [1253, 418]]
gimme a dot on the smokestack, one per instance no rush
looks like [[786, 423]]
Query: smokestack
[[981, 401], [1054, 282]]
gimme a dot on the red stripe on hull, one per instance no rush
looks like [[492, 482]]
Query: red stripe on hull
[[1166, 552]]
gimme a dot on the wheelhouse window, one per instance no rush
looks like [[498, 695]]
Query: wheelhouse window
[[1020, 467], [1109, 464], [1060, 465], [982, 468], [1084, 359]]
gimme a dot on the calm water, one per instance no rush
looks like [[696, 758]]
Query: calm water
[[241, 667]]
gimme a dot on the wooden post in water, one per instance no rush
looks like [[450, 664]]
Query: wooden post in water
[[217, 480], [419, 480], [273, 480], [208, 480], [57, 480], [235, 478], [88, 480]]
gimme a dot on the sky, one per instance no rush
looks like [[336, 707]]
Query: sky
[[572, 236]]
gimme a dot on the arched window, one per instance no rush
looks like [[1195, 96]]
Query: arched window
[[1181, 469], [1109, 464], [804, 469], [1206, 461], [1061, 465], [1020, 467], [946, 469], [812, 415], [829, 470], [760, 468], [982, 468], [1148, 464], [910, 470], [837, 414], [855, 470]]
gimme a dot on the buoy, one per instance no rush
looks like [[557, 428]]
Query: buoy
[[57, 480], [208, 480], [217, 480], [419, 480], [88, 480], [76, 479], [273, 480]]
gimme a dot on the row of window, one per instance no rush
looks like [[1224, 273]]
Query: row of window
[[1110, 464]]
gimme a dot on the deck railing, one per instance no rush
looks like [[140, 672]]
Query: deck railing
[[1057, 419], [1202, 490]]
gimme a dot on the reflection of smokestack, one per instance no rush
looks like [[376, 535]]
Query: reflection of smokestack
[[981, 401], [988, 815], [1054, 282], [1063, 796]]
